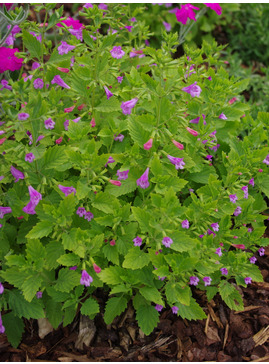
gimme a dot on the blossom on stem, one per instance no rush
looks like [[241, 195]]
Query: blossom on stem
[[8, 60], [119, 78], [88, 216], [251, 182], [108, 93], [218, 252], [81, 211], [224, 271], [96, 268], [2, 328], [1, 288], [143, 181], [67, 190], [191, 131], [85, 279], [5, 85], [122, 175], [118, 137], [38, 83], [233, 198], [186, 12], [16, 173], [252, 260], [215, 226], [148, 144], [178, 162], [39, 294], [23, 116], [222, 116], [4, 210], [159, 308], [29, 157], [35, 65], [194, 281], [194, 90], [175, 309], [207, 281], [245, 190], [59, 81], [167, 26], [214, 6], [239, 246], [127, 106], [185, 224], [35, 197], [117, 52], [177, 144], [248, 280], [261, 251], [266, 160], [49, 124], [64, 48], [115, 183], [237, 211], [137, 241], [167, 241]]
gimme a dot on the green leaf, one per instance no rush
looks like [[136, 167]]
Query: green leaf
[[110, 105], [22, 308], [108, 41], [191, 312], [152, 294], [32, 44], [53, 313], [231, 296], [104, 202], [30, 287], [114, 307], [53, 251], [135, 259], [202, 176], [69, 259], [112, 275], [138, 133], [14, 328], [174, 292], [41, 229], [57, 295], [69, 315], [142, 217], [87, 39], [182, 242], [14, 276], [67, 206], [67, 280], [54, 157], [111, 253], [148, 318], [82, 190], [89, 307]]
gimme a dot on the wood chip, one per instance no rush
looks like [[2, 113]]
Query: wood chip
[[262, 336], [264, 359], [225, 335], [215, 317], [206, 324], [86, 334], [246, 309]]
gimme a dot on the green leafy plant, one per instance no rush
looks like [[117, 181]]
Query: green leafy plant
[[127, 170]]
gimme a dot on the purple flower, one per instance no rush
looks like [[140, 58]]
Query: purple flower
[[185, 12], [209, 157], [245, 190], [73, 268], [248, 280], [108, 93], [122, 175], [39, 294], [161, 278], [233, 198], [167, 241], [219, 252], [1, 288], [215, 226], [159, 308], [194, 90], [207, 281], [118, 137], [127, 106], [194, 281], [28, 78], [102, 6], [237, 211], [175, 309], [67, 190], [35, 197], [87, 5], [224, 271], [35, 65], [117, 52], [210, 232], [59, 81], [81, 211], [133, 19], [29, 157], [137, 241], [49, 123], [249, 230], [195, 121], [23, 116], [251, 182], [143, 181], [4, 210], [88, 216], [85, 279], [38, 83], [66, 124], [252, 260], [185, 224], [261, 251], [38, 37], [11, 38], [222, 116], [64, 48], [72, 61], [4, 83], [2, 328], [77, 33], [16, 173], [266, 160], [110, 160], [178, 162], [167, 26], [128, 27], [119, 78]]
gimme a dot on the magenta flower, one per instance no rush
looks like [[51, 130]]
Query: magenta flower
[[245, 190], [194, 90], [118, 137], [185, 12], [23, 116], [35, 65], [233, 198], [49, 124], [5, 85], [248, 280], [223, 116], [67, 190], [59, 81], [194, 281], [251, 182], [178, 145], [266, 160], [108, 93], [1, 288], [70, 22], [29, 157], [175, 309], [64, 48], [87, 5], [207, 281], [148, 144], [159, 308], [137, 241], [167, 26], [117, 52], [143, 181], [224, 271], [2, 328], [167, 241], [127, 106], [85, 279], [119, 78], [178, 162], [218, 252], [215, 226], [16, 173], [252, 260], [216, 7], [185, 224], [73, 268], [195, 121], [88, 216], [38, 83], [4, 210], [122, 175], [261, 251], [96, 268], [39, 294], [128, 27], [102, 6], [35, 197], [77, 119], [8, 61], [81, 211], [210, 232]]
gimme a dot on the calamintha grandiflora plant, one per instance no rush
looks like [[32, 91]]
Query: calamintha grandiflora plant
[[126, 169]]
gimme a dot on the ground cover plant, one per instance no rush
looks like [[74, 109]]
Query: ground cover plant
[[124, 169]]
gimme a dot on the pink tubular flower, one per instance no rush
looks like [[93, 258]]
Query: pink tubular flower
[[112, 242], [266, 161], [96, 268], [178, 145], [167, 241], [119, 78], [65, 70], [117, 52], [64, 48], [143, 181], [214, 6], [58, 141], [218, 252], [233, 198], [93, 123], [185, 12], [137, 241], [175, 309], [115, 183], [194, 90], [1, 288], [39, 294], [11, 38], [49, 124], [8, 61], [80, 107], [2, 327], [245, 190], [127, 106], [5, 85], [59, 81], [253, 260], [239, 246], [67, 190], [88, 216], [223, 116], [251, 182], [29, 157], [35, 65], [4, 210], [148, 144], [85, 279], [16, 173], [191, 131], [108, 93], [122, 175], [35, 197], [128, 27]]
